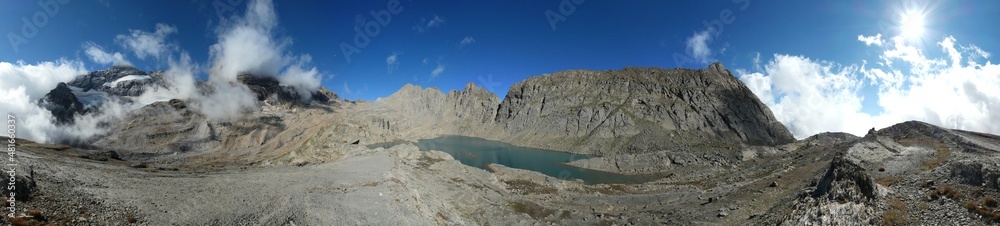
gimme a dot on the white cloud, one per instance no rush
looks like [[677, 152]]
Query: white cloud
[[98, 55], [871, 40], [426, 24], [697, 46], [392, 62], [810, 96], [756, 61], [975, 53], [813, 96], [305, 81], [466, 41], [249, 45], [425, 61], [347, 89], [437, 71], [245, 44], [148, 44], [22, 86], [435, 22]]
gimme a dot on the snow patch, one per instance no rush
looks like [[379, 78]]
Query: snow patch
[[125, 79]]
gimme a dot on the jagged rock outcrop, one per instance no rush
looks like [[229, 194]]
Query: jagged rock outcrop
[[413, 100], [460, 112], [63, 104], [269, 89], [473, 104], [844, 195], [118, 80]]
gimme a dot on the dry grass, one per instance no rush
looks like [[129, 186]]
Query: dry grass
[[987, 209], [945, 191], [788, 212], [35, 214], [897, 203], [896, 217], [971, 206], [889, 181], [528, 187], [976, 192], [21, 221], [532, 209], [898, 214], [442, 216], [940, 159], [990, 202], [923, 140]]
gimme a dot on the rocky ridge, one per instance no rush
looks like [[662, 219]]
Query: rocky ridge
[[63, 105], [116, 81], [628, 111]]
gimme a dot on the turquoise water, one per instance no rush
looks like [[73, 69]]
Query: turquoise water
[[478, 152]]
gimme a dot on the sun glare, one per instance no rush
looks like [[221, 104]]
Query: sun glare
[[912, 24]]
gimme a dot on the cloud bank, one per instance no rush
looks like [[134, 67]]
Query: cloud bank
[[811, 96], [249, 45], [246, 44]]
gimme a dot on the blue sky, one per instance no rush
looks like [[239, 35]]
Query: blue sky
[[495, 44]]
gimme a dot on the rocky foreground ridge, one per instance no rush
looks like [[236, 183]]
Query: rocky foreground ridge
[[720, 157]]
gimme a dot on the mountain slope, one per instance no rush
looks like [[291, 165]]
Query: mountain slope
[[633, 110], [639, 109]]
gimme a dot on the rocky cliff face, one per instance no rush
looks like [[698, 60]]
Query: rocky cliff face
[[270, 90], [633, 110], [63, 104], [845, 195], [117, 80], [639, 109]]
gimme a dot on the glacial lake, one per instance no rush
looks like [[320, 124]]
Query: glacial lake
[[478, 152]]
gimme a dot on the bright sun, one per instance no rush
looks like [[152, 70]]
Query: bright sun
[[912, 24]]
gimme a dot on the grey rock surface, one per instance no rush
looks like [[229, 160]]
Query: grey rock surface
[[63, 104], [636, 110], [629, 111], [103, 80]]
